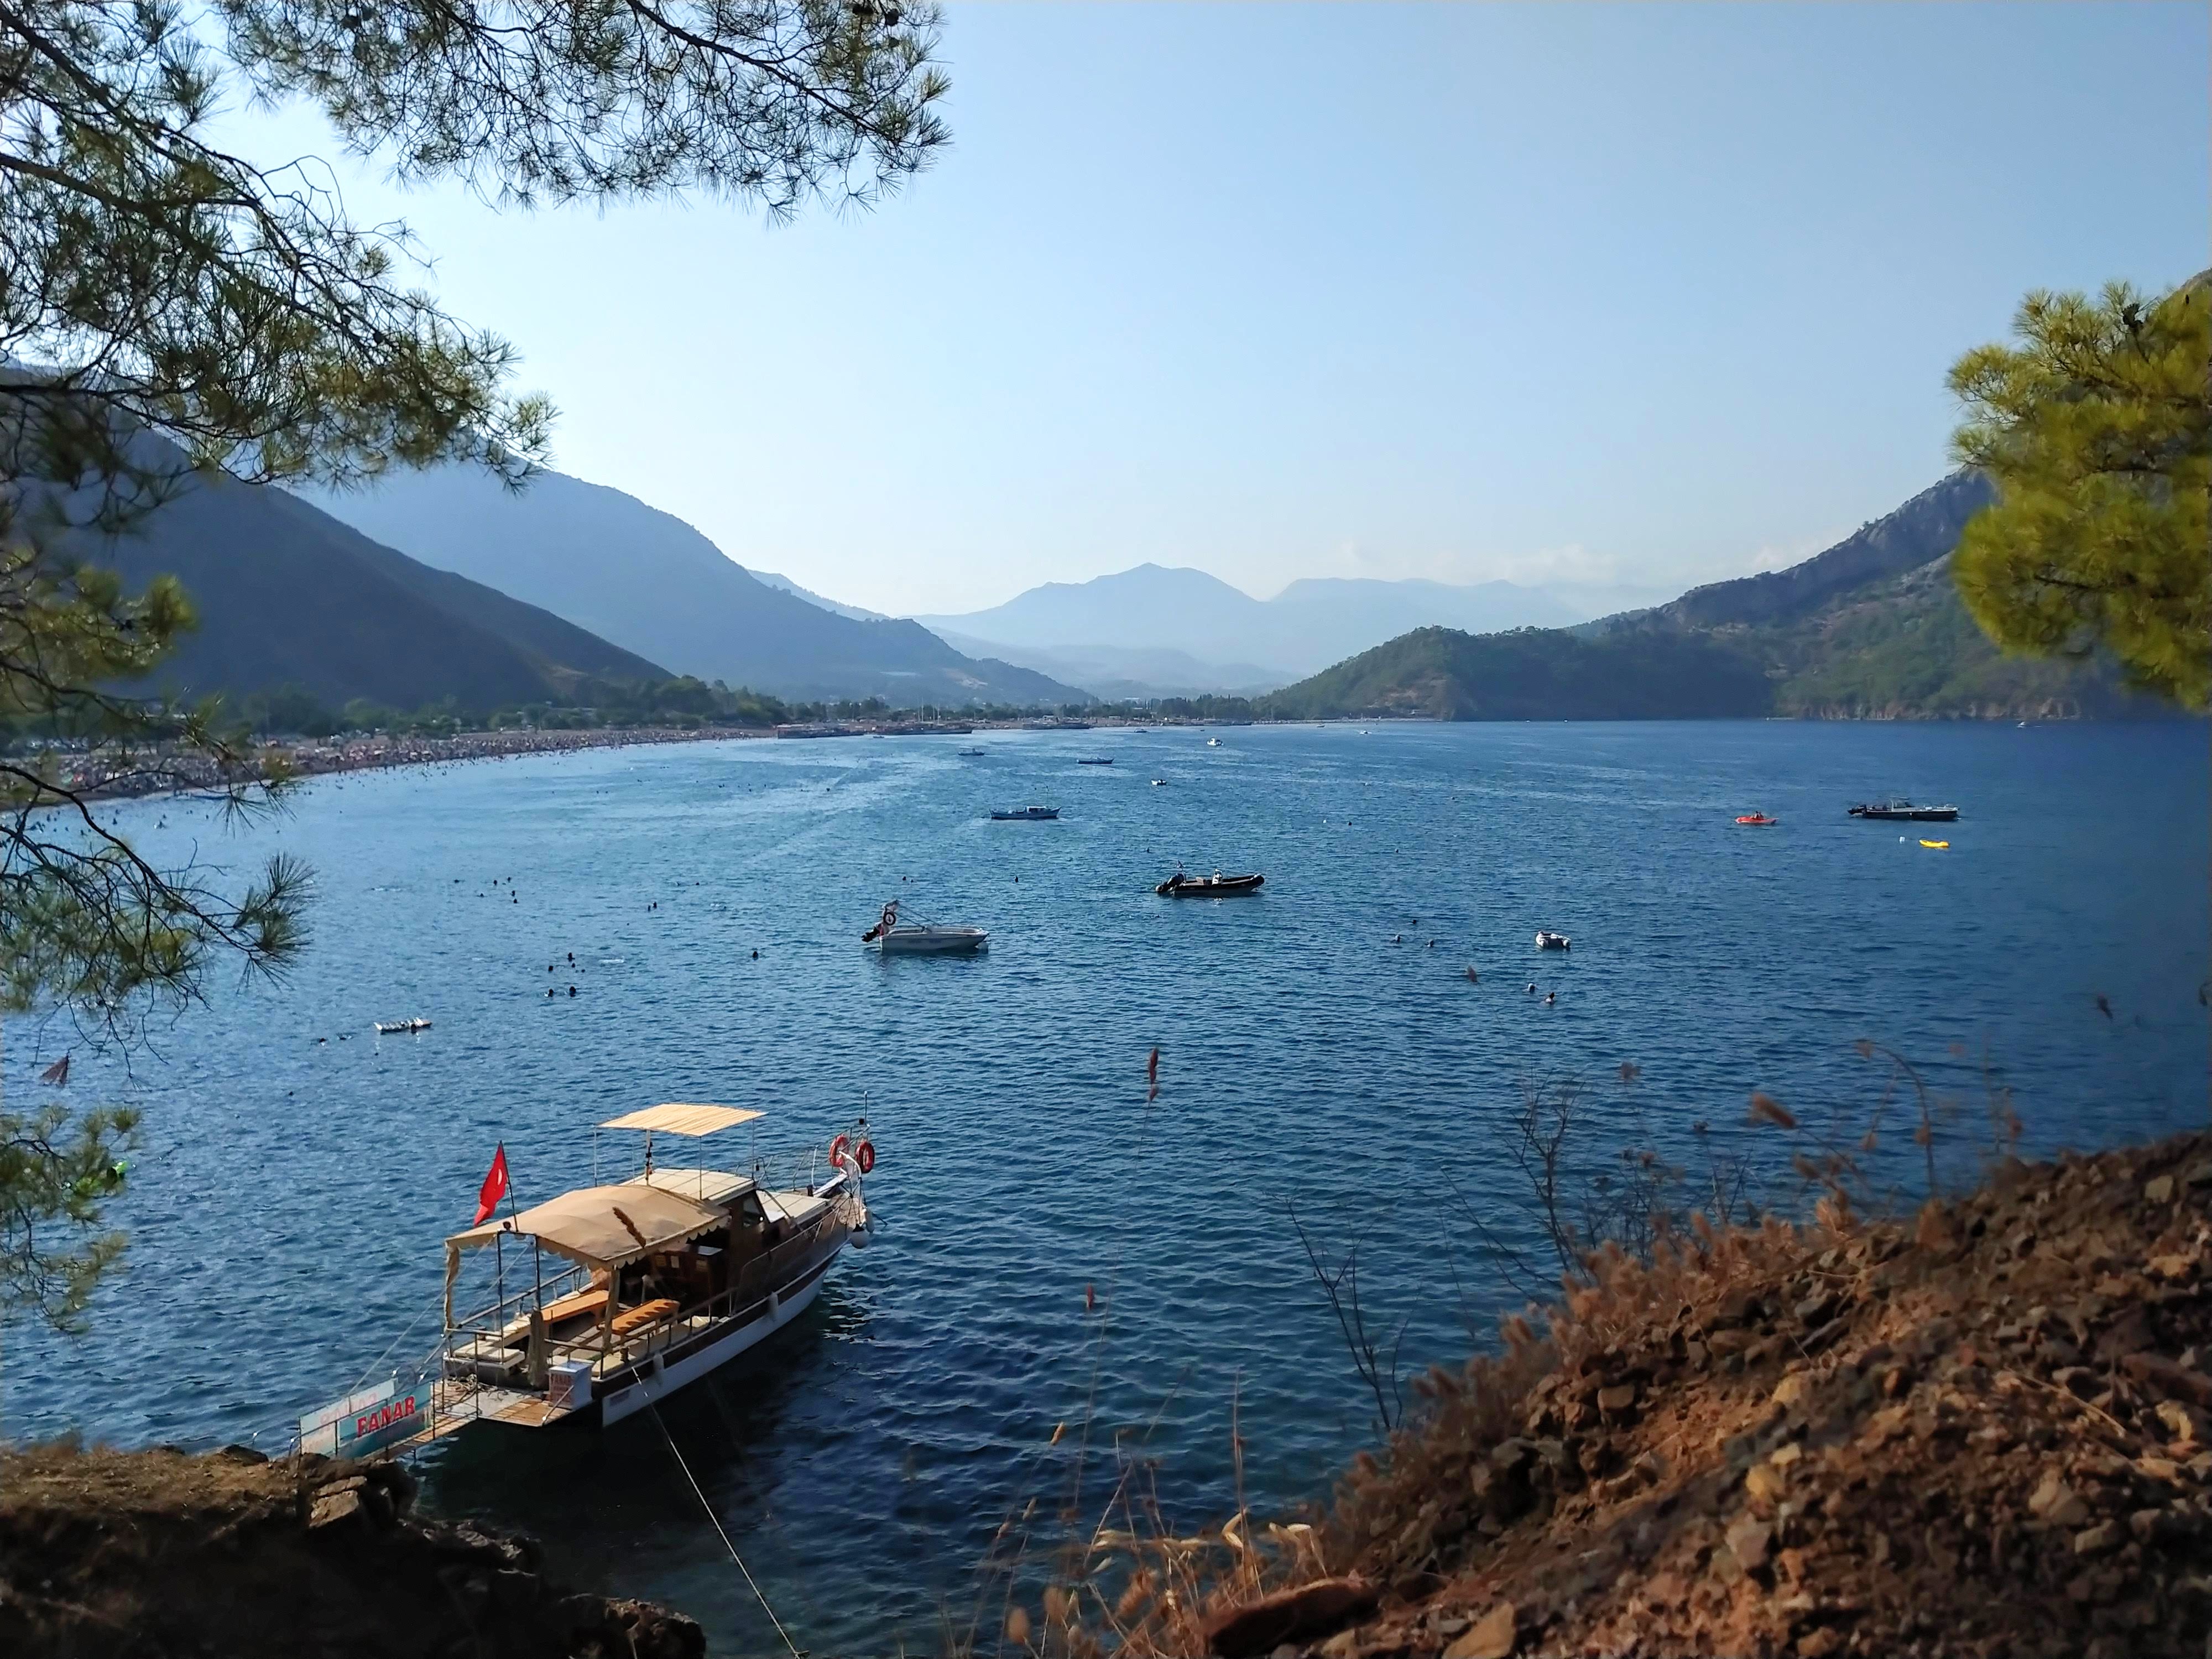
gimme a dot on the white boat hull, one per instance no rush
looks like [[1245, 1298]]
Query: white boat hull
[[933, 941], [664, 1380]]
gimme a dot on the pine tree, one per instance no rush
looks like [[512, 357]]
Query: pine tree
[[166, 306], [2097, 431]]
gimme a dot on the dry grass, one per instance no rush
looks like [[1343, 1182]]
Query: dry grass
[[1631, 1252]]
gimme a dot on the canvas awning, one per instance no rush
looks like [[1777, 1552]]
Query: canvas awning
[[679, 1118], [601, 1226]]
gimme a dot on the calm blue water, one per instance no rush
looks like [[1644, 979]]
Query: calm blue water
[[286, 1211]]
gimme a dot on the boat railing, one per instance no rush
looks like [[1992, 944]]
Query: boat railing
[[497, 1316]]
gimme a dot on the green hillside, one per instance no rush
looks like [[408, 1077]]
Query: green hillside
[[1907, 649], [1533, 674], [1872, 629]]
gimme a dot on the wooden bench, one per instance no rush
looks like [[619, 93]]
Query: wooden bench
[[583, 1302], [650, 1312]]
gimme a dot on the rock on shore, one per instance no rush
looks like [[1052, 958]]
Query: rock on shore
[[1985, 1432], [150, 1554]]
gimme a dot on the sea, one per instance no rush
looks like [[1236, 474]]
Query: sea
[[1084, 1301]]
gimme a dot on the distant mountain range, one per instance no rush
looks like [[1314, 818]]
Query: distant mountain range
[[287, 596], [654, 585], [1221, 637], [1871, 628], [1118, 675]]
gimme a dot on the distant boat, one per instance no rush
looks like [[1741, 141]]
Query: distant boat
[[1757, 818], [400, 1027], [1159, 783], [1900, 810], [1103, 760], [1940, 846], [895, 938], [1213, 743], [1027, 815], [1216, 885], [1552, 941], [972, 754]]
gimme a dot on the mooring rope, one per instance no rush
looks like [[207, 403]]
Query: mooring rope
[[654, 1405]]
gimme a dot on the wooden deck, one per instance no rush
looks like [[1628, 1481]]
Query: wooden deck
[[455, 1404]]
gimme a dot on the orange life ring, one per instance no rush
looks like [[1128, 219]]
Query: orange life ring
[[838, 1148], [865, 1153]]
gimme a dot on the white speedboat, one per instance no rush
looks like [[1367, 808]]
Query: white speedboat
[[1213, 743], [1552, 941], [895, 938], [624, 1292]]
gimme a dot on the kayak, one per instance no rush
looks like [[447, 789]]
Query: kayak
[[1940, 846]]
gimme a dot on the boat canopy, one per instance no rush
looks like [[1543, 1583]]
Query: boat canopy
[[599, 1226], [715, 1187], [678, 1118]]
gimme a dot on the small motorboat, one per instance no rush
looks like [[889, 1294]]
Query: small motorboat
[[1940, 846], [1027, 815], [1902, 810], [400, 1027], [1159, 783], [972, 754], [1213, 743], [1757, 818], [895, 938], [1552, 941], [1216, 885], [1101, 760]]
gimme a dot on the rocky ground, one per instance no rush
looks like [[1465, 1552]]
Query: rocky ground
[[156, 1554], [1987, 1432]]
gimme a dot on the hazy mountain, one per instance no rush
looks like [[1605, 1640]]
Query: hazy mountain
[[1310, 623], [1871, 628], [287, 595], [787, 586], [1115, 675], [653, 584]]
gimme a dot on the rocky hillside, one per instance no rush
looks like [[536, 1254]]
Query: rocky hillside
[[1987, 1432], [158, 1555]]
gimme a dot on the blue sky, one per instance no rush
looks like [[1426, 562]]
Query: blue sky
[[1648, 294]]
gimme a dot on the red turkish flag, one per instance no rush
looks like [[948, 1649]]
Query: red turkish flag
[[493, 1187]]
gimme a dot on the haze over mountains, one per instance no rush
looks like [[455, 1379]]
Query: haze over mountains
[[1222, 639], [651, 583], [543, 596]]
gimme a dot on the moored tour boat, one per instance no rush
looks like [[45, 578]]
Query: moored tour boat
[[895, 938], [626, 1293], [1216, 885], [393, 1027], [1027, 815]]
